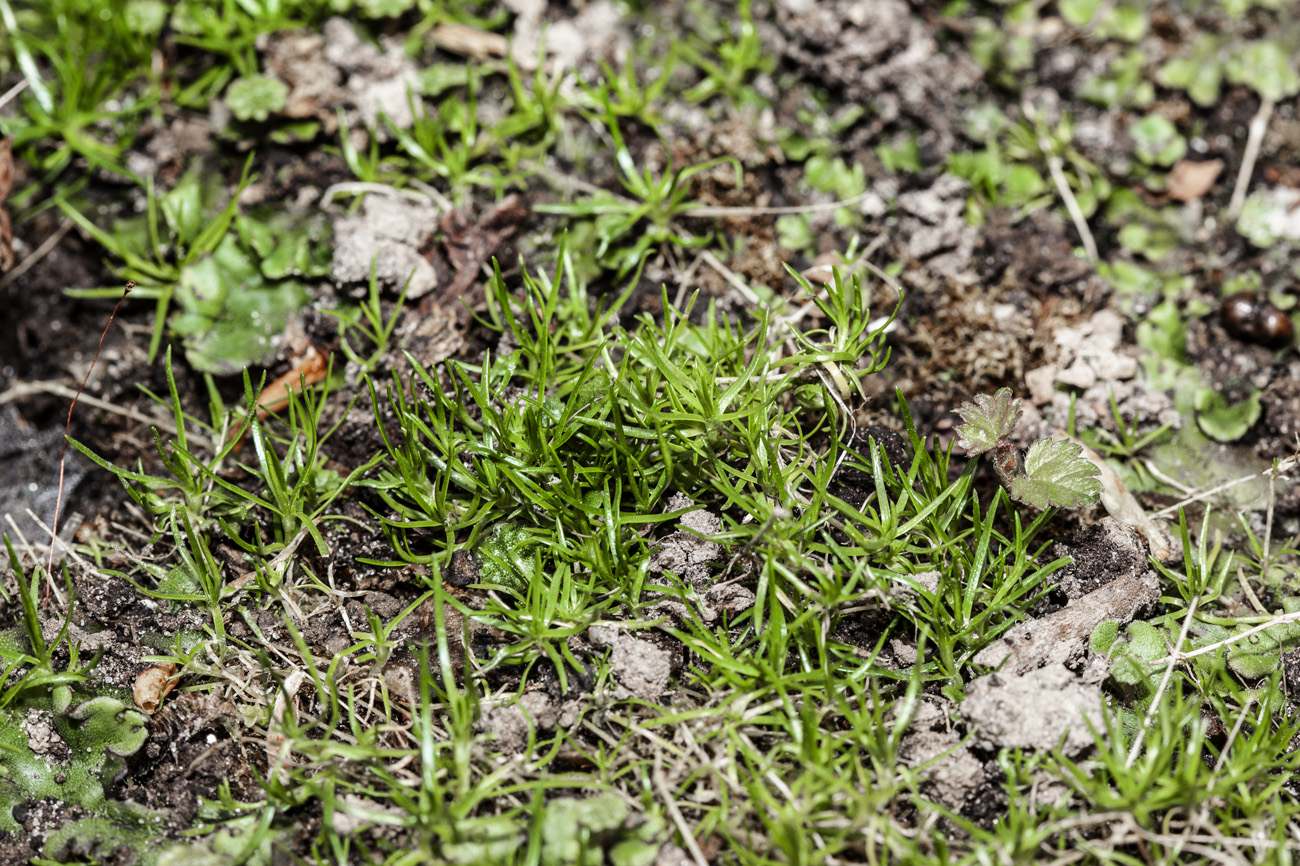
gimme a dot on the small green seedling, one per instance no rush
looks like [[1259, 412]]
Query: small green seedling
[[1053, 473]]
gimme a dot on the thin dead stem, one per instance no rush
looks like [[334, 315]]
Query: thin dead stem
[[67, 427], [1178, 657], [1255, 138], [1164, 683], [39, 253], [26, 389], [1283, 467], [679, 820]]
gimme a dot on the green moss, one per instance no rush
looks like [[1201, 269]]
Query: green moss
[[505, 557]]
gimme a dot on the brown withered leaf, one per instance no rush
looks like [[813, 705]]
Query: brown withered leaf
[[6, 168], [469, 41], [1189, 181], [308, 368], [152, 685], [466, 246], [6, 184]]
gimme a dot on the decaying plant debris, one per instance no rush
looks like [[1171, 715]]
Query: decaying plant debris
[[534, 437]]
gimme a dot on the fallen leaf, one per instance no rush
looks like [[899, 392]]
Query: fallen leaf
[[152, 685], [311, 367], [469, 245], [469, 41], [1189, 181], [307, 370]]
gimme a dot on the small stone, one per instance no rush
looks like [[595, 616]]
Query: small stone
[[1079, 375]]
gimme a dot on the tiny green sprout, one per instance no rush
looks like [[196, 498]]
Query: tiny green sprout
[[1053, 473], [256, 97], [1157, 141], [1265, 66]]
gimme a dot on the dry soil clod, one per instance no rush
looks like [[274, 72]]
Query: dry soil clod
[[1062, 637]]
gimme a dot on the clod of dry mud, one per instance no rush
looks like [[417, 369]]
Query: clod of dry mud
[[1090, 352], [694, 559], [1110, 556], [1093, 361], [1033, 711], [594, 32], [878, 53], [642, 669], [689, 553], [934, 223], [952, 777], [389, 232], [511, 724], [336, 68]]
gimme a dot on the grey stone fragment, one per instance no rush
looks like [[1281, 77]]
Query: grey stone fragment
[[389, 231], [642, 669], [1037, 710]]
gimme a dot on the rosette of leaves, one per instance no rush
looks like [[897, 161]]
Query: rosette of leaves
[[61, 741], [1157, 141], [1123, 84], [1262, 65], [234, 288], [1144, 230], [1054, 473], [1132, 653], [1163, 333], [597, 830], [256, 97], [1136, 652]]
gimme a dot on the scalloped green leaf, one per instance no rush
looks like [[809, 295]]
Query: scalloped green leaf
[[256, 97], [1157, 141], [987, 420], [1130, 670], [1145, 641], [1199, 72], [1223, 421], [1057, 474], [1103, 636], [1265, 66], [1256, 656]]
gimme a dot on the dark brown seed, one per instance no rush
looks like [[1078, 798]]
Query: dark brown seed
[[1240, 315], [1275, 327]]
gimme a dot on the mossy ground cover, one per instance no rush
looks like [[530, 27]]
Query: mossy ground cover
[[549, 433]]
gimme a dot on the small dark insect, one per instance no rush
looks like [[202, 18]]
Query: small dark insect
[[1247, 316]]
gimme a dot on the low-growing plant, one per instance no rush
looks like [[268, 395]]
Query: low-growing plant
[[235, 288], [730, 60], [97, 726], [293, 488], [628, 229], [1263, 65], [1054, 473], [86, 109]]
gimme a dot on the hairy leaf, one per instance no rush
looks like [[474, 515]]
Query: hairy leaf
[[987, 420], [1056, 473]]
